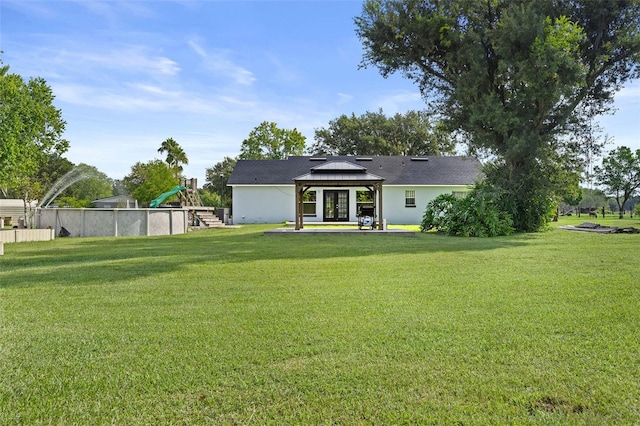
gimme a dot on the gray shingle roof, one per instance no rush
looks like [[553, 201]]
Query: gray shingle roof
[[395, 170]]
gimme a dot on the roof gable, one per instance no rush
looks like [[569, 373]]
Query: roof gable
[[336, 172], [338, 166]]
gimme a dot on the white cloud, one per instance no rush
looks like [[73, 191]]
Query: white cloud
[[129, 59], [75, 62], [39, 9], [220, 64], [155, 90], [195, 45], [399, 102], [218, 61], [113, 11], [136, 97], [343, 98], [285, 73]]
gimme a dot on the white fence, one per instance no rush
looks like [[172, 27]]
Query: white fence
[[22, 235]]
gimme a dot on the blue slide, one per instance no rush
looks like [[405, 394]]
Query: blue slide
[[155, 203]]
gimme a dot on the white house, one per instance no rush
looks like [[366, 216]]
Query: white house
[[332, 188]]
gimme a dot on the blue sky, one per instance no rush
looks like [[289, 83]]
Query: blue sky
[[129, 74]]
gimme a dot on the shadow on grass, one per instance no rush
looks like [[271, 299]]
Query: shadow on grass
[[86, 261]]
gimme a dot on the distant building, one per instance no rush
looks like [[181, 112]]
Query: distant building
[[11, 211], [116, 202]]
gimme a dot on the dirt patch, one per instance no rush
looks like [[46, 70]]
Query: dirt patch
[[600, 229], [550, 404]]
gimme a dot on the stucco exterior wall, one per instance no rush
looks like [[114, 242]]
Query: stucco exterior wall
[[114, 222], [393, 199], [263, 204], [276, 204]]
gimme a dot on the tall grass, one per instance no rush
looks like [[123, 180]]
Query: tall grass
[[232, 327]]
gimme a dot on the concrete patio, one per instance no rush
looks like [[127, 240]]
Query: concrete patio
[[348, 229]]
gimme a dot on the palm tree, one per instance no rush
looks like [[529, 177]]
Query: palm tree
[[175, 155]]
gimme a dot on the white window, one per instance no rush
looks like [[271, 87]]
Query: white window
[[409, 198]]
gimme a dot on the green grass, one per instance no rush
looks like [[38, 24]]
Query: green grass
[[231, 327]]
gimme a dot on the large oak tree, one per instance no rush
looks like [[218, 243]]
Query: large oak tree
[[373, 133], [512, 76], [269, 142]]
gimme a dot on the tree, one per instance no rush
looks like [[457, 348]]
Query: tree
[[588, 142], [592, 199], [510, 75], [217, 178], [268, 142], [119, 187], [49, 171], [148, 180], [93, 186], [31, 129], [175, 155], [52, 169], [620, 175], [373, 133], [209, 199]]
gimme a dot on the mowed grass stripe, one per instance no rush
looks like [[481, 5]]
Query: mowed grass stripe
[[229, 326]]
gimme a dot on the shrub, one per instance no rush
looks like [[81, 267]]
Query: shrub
[[438, 213], [475, 215]]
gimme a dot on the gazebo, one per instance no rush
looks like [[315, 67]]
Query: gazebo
[[337, 174]]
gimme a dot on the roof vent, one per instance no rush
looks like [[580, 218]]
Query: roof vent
[[317, 159], [364, 158], [419, 158]]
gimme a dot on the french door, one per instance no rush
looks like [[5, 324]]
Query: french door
[[336, 206]]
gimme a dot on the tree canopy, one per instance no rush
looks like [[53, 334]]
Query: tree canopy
[[269, 142], [373, 133], [52, 168], [31, 129], [148, 180], [620, 175], [512, 76], [94, 186], [217, 178]]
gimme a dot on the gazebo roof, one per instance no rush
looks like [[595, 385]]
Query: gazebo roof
[[338, 172], [333, 166]]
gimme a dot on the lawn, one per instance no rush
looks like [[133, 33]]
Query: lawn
[[228, 326]]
